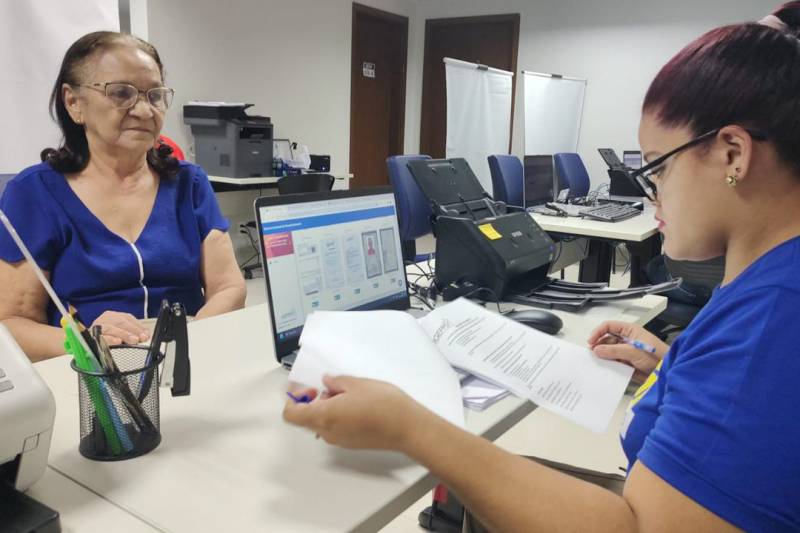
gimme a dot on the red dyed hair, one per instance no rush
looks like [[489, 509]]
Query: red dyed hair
[[746, 74]]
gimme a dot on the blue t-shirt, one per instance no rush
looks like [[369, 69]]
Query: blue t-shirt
[[720, 419], [95, 269]]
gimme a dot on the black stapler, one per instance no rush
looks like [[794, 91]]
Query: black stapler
[[171, 329]]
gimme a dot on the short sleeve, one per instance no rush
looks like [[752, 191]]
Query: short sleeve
[[24, 203], [204, 202], [727, 434]]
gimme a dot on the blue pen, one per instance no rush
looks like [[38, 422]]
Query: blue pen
[[301, 399], [639, 345]]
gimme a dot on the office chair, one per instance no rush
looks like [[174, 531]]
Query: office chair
[[413, 210], [303, 183], [177, 153], [572, 173], [700, 278], [507, 179]]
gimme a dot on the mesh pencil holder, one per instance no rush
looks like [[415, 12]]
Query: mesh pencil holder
[[119, 411]]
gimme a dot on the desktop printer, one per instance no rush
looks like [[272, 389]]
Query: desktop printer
[[477, 239], [229, 142], [27, 411]]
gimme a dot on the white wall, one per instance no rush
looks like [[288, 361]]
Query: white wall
[[618, 46], [290, 59]]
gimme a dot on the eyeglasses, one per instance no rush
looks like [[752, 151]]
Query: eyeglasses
[[125, 95], [642, 176]]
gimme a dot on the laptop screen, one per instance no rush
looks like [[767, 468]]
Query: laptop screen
[[539, 180], [632, 159], [332, 251]]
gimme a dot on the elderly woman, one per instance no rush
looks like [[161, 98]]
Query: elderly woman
[[712, 437], [115, 222]]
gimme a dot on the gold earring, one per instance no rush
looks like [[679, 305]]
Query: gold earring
[[732, 181]]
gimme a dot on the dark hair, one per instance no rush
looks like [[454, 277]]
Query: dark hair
[[746, 74], [73, 154]]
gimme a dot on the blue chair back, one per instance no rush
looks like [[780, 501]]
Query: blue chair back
[[507, 179], [570, 168], [413, 210]]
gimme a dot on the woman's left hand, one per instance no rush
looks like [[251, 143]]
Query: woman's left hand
[[358, 413]]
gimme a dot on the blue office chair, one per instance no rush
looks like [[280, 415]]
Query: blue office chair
[[507, 179], [570, 169], [413, 210]]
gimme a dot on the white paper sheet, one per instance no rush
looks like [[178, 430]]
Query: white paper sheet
[[557, 375], [384, 345]]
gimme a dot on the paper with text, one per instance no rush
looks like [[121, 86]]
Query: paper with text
[[384, 345], [557, 375]]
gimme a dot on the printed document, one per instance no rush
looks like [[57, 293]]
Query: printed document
[[557, 375]]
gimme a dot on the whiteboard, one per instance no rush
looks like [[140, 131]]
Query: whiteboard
[[34, 35], [478, 115], [553, 110]]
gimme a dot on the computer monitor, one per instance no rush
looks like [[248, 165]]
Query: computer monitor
[[539, 183], [632, 158], [332, 251]]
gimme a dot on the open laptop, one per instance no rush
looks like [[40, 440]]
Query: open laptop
[[333, 251]]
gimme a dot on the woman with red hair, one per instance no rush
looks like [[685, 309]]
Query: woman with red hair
[[712, 439]]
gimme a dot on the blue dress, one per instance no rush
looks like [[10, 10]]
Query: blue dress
[[717, 420], [96, 270]]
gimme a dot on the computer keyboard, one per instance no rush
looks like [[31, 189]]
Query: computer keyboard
[[610, 212]]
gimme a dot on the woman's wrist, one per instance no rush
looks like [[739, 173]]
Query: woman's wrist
[[419, 429]]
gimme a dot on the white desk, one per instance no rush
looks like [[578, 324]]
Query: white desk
[[80, 509], [227, 461], [635, 229]]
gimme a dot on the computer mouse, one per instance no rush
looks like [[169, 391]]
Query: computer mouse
[[538, 319]]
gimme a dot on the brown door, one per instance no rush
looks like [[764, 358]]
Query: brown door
[[377, 93], [491, 40]]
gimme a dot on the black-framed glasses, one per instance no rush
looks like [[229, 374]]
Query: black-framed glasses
[[125, 95], [642, 176]]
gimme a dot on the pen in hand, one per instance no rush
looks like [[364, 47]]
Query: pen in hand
[[639, 345], [299, 399]]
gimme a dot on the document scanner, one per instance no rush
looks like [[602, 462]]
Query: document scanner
[[477, 239], [27, 411]]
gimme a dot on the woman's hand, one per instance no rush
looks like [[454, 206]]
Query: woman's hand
[[121, 328], [357, 413], [605, 346]]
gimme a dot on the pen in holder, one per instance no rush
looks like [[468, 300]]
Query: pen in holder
[[119, 402], [119, 409]]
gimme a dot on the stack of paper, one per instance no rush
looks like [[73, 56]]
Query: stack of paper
[[479, 394]]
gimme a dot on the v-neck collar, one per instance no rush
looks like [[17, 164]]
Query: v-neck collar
[[75, 203]]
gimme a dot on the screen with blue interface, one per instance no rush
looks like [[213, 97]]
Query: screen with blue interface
[[334, 255]]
